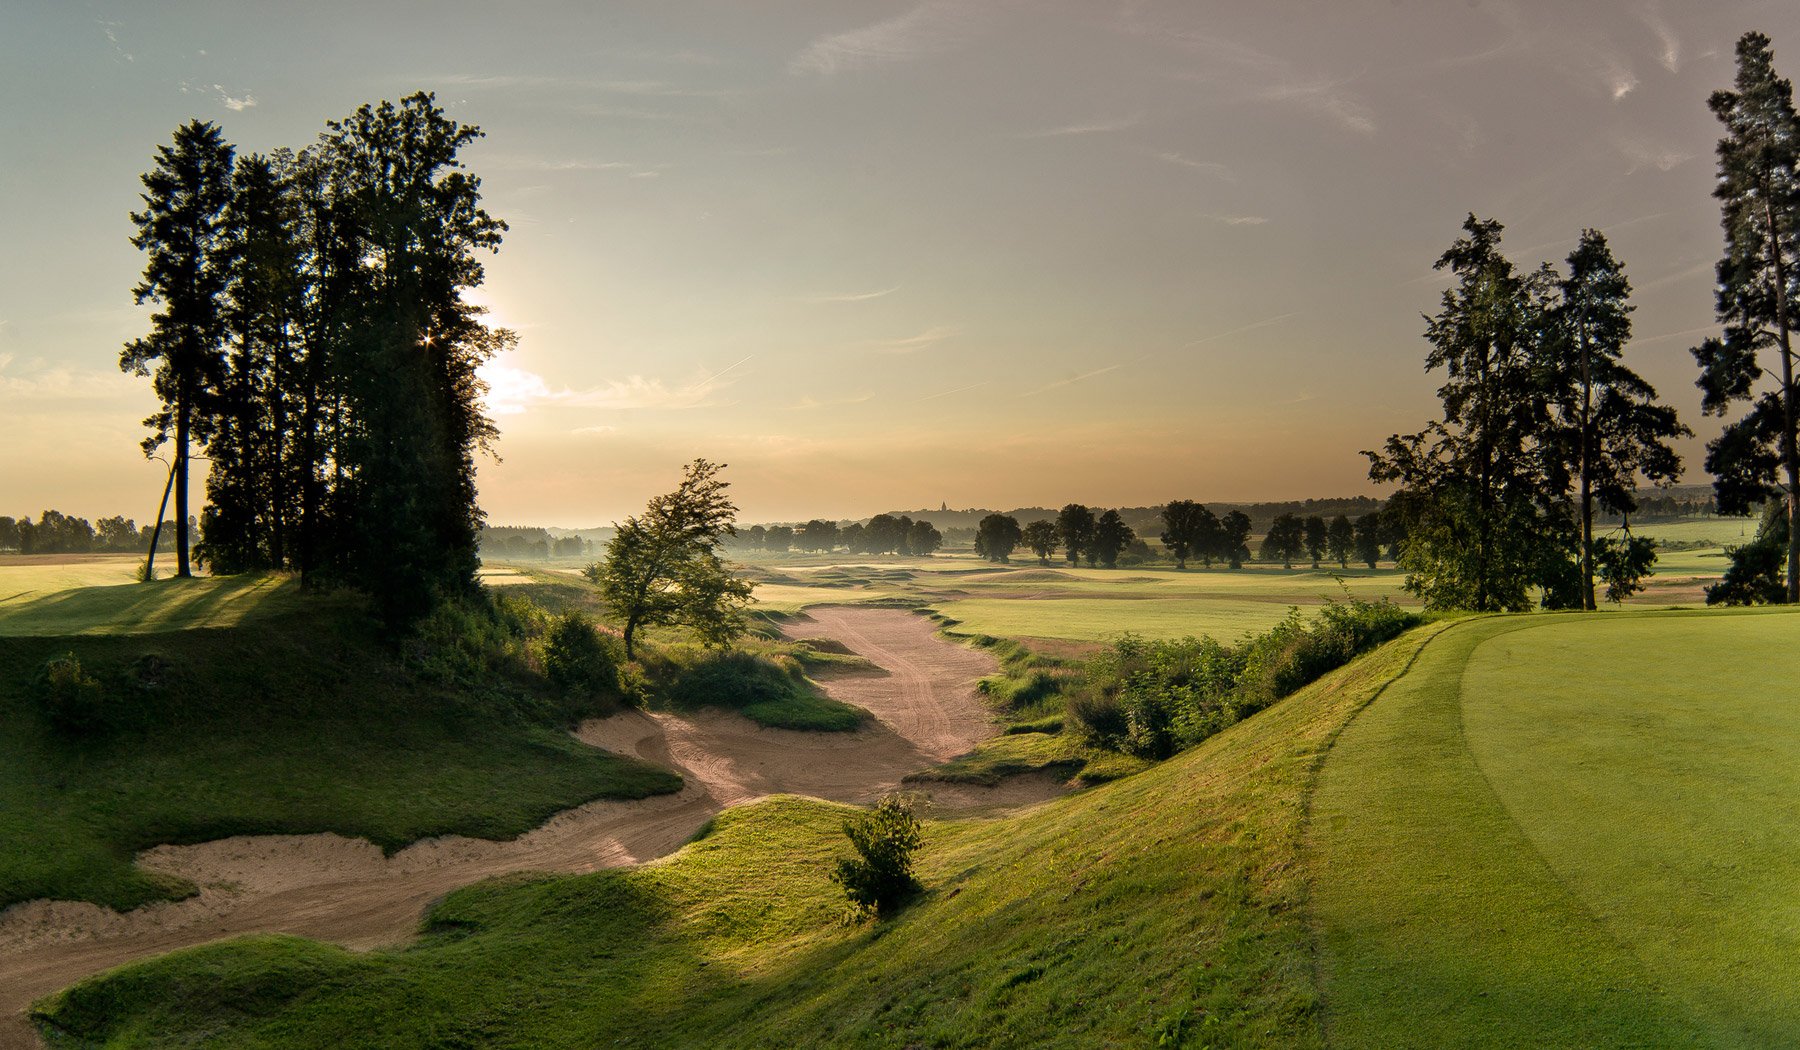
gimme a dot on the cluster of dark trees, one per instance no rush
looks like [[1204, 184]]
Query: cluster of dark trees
[[511, 541], [1076, 530], [1542, 420], [57, 533], [312, 337], [882, 534], [1291, 537], [1544, 424]]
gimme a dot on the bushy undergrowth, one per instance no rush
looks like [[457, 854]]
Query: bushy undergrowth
[[72, 701], [1152, 699], [768, 686]]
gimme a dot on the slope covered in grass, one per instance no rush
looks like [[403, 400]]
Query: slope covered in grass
[[1164, 907], [1569, 831], [288, 722]]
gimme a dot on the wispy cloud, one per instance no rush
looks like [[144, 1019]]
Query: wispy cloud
[[111, 29], [1099, 127], [1210, 167], [850, 297], [1072, 380], [1239, 220], [61, 383], [513, 391], [914, 343], [595, 431], [807, 403], [1240, 330], [1641, 153], [1236, 69], [591, 85], [928, 29], [235, 103], [1669, 53], [957, 390]]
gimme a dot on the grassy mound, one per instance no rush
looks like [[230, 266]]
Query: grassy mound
[[1164, 908], [765, 682], [293, 721], [1570, 831]]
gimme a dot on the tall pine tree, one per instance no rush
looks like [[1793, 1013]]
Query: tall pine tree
[[1755, 458], [1609, 429], [182, 234]]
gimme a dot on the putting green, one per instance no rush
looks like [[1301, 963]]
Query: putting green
[[1568, 831]]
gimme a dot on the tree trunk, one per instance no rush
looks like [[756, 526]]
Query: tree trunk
[[1790, 458], [1587, 484], [182, 568], [162, 511]]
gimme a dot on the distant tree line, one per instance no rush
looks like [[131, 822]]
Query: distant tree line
[[882, 534], [57, 533], [510, 541], [312, 337]]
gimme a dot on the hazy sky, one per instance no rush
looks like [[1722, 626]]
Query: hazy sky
[[883, 255]]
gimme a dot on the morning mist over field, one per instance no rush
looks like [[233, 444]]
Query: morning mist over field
[[880, 256]]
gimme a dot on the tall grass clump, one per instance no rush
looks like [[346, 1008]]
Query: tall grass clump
[[1151, 699]]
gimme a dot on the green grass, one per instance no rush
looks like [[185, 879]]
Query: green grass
[[285, 723], [1162, 908], [765, 682], [166, 605], [1568, 831]]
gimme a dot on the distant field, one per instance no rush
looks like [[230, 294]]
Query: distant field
[[1713, 531], [25, 575]]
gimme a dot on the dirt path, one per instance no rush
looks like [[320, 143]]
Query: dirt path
[[345, 891]]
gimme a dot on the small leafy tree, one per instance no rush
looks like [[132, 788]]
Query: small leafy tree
[[663, 567], [1234, 538], [1111, 537], [1075, 525], [1368, 538], [1189, 529], [1041, 536], [1286, 540], [880, 878], [1317, 534], [997, 537]]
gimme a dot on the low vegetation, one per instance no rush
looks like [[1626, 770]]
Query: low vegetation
[[764, 682], [288, 723], [1160, 909], [1152, 699]]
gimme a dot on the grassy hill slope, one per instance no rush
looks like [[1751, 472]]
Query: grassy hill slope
[[1168, 907], [291, 721], [1569, 831]]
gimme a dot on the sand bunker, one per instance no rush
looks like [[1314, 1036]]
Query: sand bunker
[[344, 890]]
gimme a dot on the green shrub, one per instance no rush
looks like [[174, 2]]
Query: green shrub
[[880, 878], [579, 659], [72, 701], [733, 678], [1151, 699]]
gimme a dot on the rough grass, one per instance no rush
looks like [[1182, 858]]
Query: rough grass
[[1164, 908], [1568, 831], [285, 723], [765, 682]]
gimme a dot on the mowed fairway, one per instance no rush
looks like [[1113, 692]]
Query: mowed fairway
[[1569, 831]]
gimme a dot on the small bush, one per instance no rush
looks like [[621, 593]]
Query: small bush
[[1151, 699], [72, 700], [733, 678], [880, 879], [578, 658]]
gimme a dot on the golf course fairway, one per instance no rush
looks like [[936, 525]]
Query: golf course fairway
[[1568, 831]]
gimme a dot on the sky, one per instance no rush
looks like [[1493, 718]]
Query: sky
[[889, 255]]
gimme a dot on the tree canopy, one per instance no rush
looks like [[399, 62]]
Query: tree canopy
[[662, 568]]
